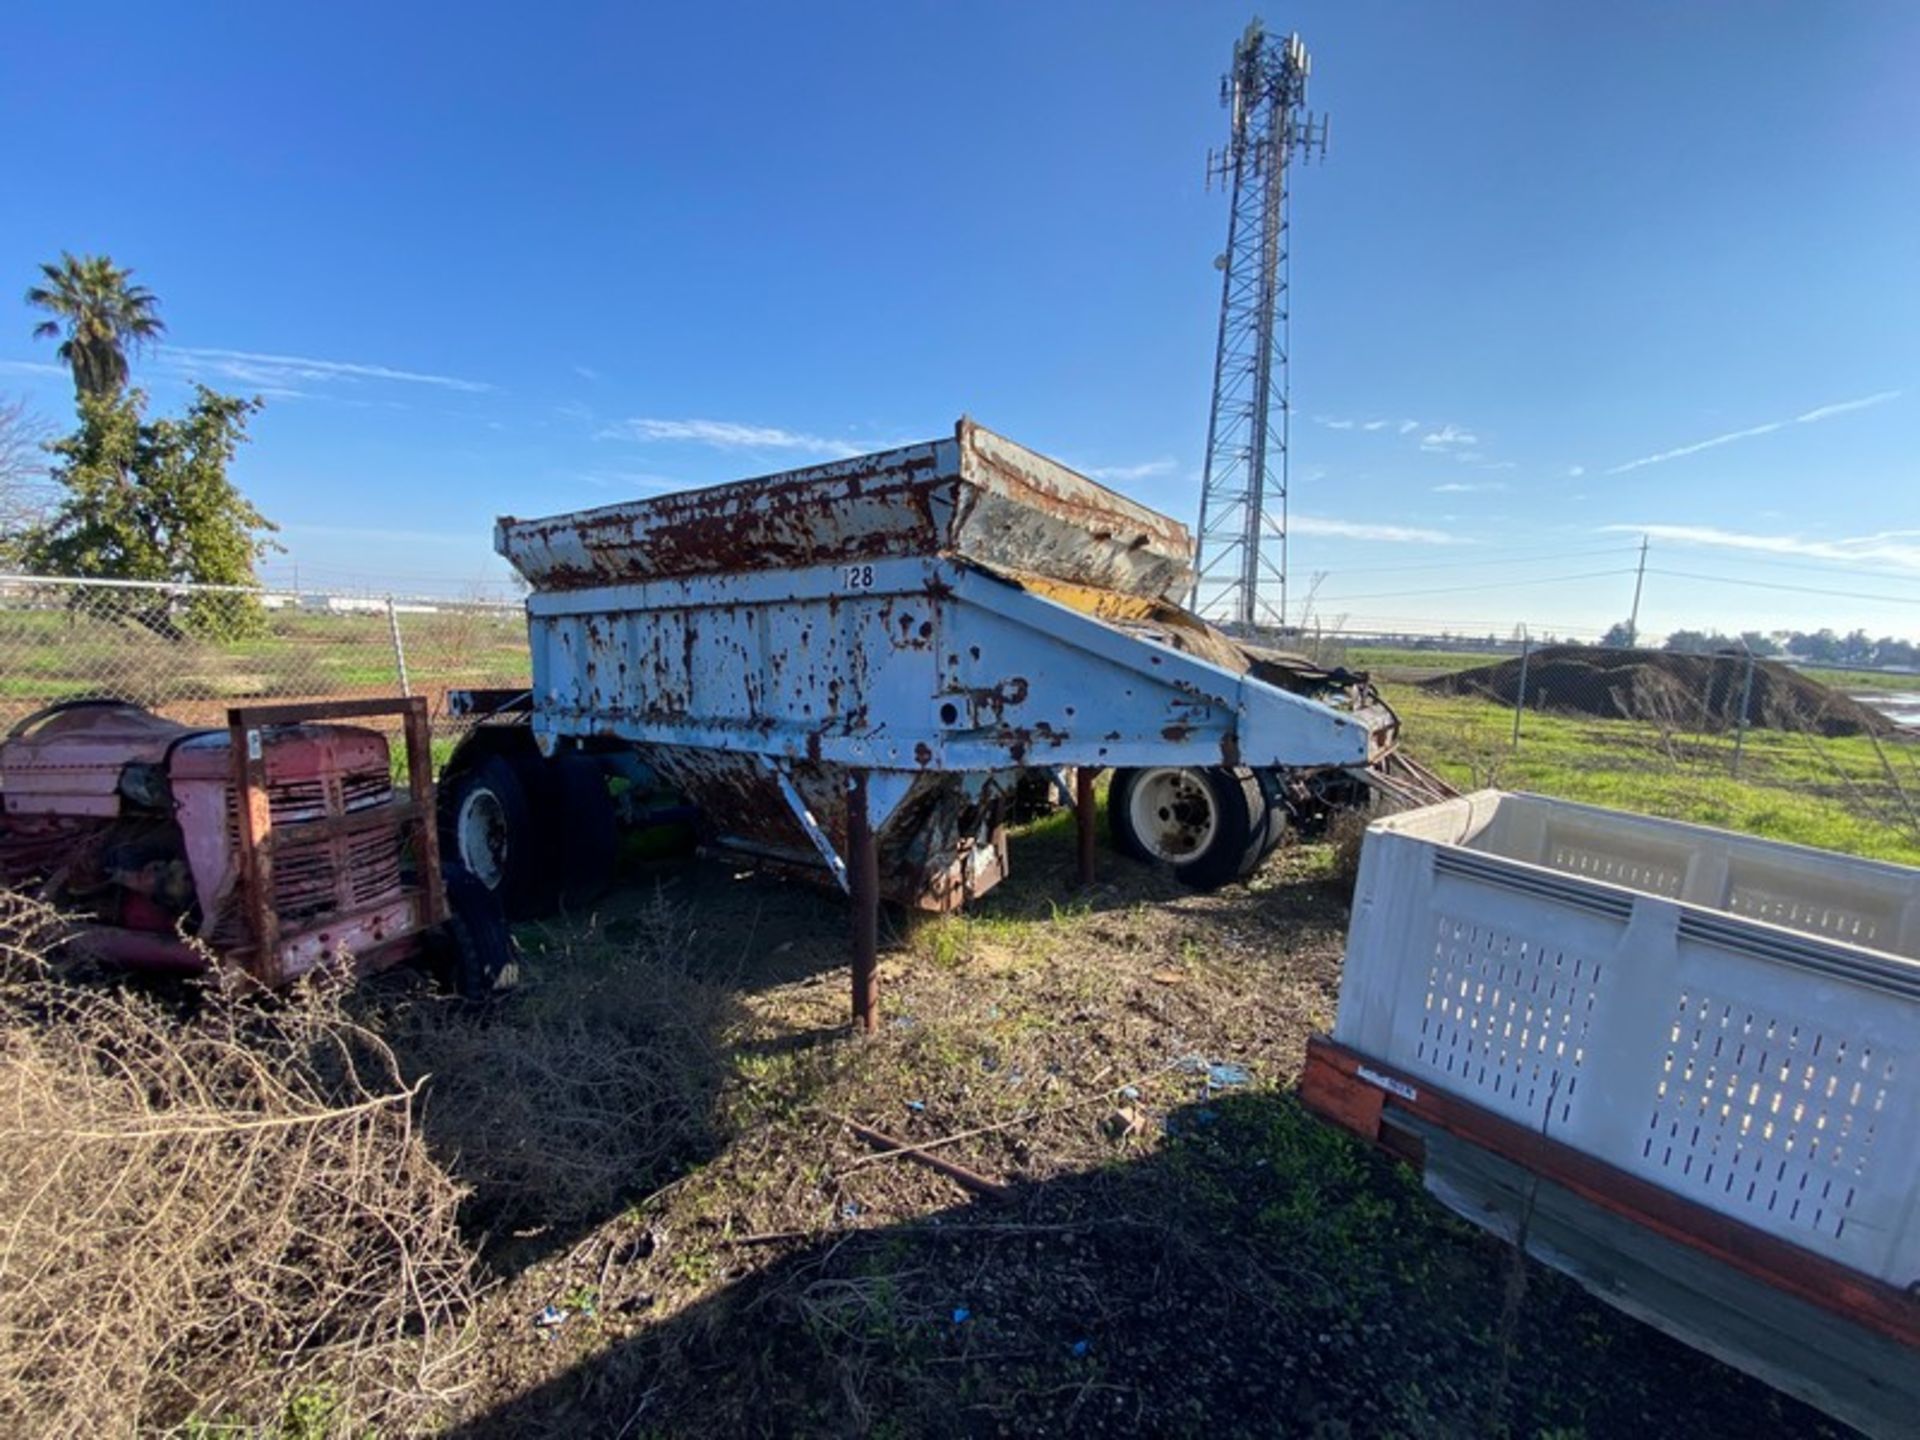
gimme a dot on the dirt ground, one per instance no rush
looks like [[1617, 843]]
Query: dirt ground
[[1696, 692], [659, 1151]]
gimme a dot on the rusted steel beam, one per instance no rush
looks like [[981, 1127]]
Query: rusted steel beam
[[299, 712], [253, 830], [1083, 820], [353, 822], [863, 889], [426, 833], [959, 1174]]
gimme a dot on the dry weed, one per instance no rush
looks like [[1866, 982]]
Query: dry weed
[[222, 1217], [596, 1079]]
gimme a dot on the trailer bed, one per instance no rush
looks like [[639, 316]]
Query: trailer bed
[[938, 619], [1611, 1035]]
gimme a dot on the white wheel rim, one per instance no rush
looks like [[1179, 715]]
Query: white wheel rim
[[482, 829], [1173, 814]]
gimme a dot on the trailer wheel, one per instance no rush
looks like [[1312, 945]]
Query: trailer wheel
[[583, 831], [487, 826], [473, 951], [1279, 819], [1211, 826]]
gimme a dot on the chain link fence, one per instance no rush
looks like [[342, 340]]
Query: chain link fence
[[190, 651], [1733, 739]]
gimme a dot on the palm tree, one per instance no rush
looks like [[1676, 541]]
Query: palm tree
[[101, 314]]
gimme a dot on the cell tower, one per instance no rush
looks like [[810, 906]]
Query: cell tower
[[1241, 564]]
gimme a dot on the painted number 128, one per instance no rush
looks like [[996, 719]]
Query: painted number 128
[[859, 577]]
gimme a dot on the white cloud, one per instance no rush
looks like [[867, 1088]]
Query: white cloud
[[1446, 436], [1407, 427], [31, 367], [586, 372], [1879, 397], [1367, 530], [1898, 549], [1120, 474], [1698, 446], [283, 372], [1574, 472], [1332, 423], [1374, 425], [1468, 487], [730, 435], [1823, 412]]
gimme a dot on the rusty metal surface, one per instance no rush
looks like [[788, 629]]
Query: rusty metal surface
[[69, 760], [863, 889], [926, 665], [939, 616], [1083, 821], [976, 496], [938, 835], [276, 841], [317, 836]]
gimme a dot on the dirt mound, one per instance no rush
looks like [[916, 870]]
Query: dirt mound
[[1687, 692]]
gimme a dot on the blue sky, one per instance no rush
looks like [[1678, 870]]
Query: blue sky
[[1571, 273]]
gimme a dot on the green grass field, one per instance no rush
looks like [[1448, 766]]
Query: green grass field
[[1389, 662], [53, 654], [1856, 682], [1842, 794]]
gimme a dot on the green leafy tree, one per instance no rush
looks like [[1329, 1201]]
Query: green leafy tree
[[99, 314], [151, 500], [1700, 642]]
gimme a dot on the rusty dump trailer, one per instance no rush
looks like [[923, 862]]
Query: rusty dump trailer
[[885, 645]]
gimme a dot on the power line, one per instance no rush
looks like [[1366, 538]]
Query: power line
[[1852, 570], [1501, 557], [1794, 589], [1321, 601]]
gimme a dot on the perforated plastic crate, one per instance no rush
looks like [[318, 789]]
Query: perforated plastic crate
[[1731, 1019]]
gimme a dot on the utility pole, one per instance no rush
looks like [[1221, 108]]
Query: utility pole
[[1639, 579], [1240, 561]]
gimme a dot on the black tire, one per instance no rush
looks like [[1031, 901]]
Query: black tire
[[1222, 813], [583, 831], [1279, 821], [488, 827], [1120, 831], [473, 951]]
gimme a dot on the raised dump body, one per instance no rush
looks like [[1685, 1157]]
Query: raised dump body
[[975, 496], [937, 618], [1690, 1059]]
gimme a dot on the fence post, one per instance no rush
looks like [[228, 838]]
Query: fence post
[[1520, 695], [399, 649], [1740, 732]]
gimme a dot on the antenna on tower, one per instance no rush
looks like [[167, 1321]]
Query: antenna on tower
[[1240, 564]]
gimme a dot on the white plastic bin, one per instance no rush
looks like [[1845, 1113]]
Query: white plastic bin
[[1732, 1019]]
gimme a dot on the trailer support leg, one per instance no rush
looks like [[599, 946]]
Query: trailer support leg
[[863, 889], [1083, 777]]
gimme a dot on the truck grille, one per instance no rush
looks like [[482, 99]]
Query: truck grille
[[316, 878]]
